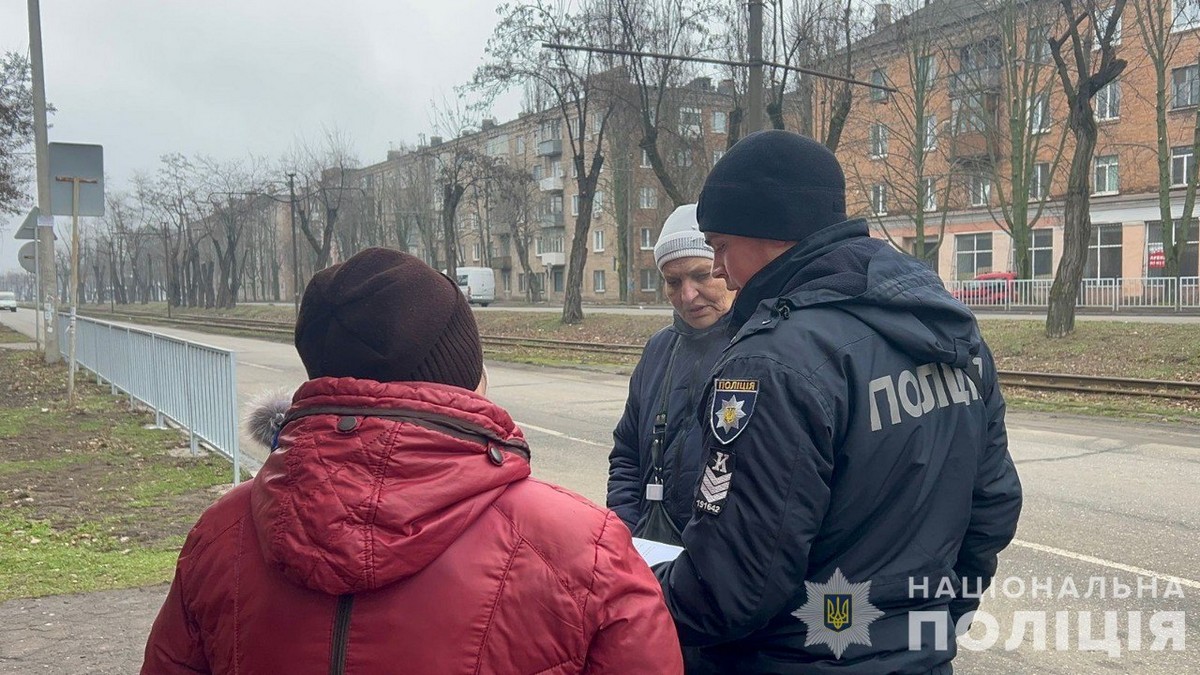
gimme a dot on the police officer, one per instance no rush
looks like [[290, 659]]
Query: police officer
[[857, 471]]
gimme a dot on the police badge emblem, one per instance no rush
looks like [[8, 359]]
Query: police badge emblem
[[838, 613], [732, 405]]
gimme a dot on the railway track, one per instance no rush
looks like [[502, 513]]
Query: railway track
[[1086, 384]]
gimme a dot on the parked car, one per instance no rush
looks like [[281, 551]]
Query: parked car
[[8, 300], [991, 288], [478, 284]]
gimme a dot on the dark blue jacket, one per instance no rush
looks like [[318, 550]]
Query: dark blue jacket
[[629, 463], [854, 426]]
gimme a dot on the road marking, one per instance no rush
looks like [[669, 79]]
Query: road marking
[[559, 434], [255, 365], [1106, 563]]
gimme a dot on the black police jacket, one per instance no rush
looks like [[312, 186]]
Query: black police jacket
[[696, 352], [857, 463]]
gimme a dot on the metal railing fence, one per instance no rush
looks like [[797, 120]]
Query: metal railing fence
[[192, 384], [1124, 294]]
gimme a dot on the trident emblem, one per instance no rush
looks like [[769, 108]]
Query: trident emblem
[[838, 613]]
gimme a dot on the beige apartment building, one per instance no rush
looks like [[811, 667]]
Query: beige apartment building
[[494, 218]]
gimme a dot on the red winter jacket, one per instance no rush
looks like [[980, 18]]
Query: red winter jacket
[[396, 530]]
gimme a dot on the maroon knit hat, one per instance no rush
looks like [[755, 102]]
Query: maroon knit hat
[[384, 315]]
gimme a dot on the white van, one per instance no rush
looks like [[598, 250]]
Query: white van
[[478, 284], [8, 300]]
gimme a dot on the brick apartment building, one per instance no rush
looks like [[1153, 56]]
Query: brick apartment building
[[693, 136], [953, 52]]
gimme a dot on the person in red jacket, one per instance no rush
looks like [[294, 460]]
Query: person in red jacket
[[395, 527]]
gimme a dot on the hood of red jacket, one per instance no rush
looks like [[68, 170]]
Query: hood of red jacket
[[372, 481]]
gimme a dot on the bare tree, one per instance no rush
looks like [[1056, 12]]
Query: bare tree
[[579, 84], [902, 179], [515, 208], [674, 27], [1157, 22], [1089, 42], [16, 130], [325, 176]]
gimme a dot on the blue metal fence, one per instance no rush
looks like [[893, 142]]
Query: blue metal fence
[[192, 384]]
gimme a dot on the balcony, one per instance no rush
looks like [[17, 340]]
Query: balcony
[[985, 80], [550, 148], [974, 147], [551, 184], [551, 219], [553, 258]]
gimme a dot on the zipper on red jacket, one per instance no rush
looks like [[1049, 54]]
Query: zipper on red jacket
[[341, 634]]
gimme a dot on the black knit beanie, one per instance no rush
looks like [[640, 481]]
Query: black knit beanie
[[387, 316], [773, 185]]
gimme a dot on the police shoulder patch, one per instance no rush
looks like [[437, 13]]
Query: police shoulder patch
[[715, 482], [732, 405]]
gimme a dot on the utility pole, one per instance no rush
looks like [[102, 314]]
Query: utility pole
[[47, 280], [754, 94], [295, 256]]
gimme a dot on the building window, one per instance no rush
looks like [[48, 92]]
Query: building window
[[649, 280], [645, 160], [1108, 101], [597, 202], [717, 155], [1185, 86], [575, 205], [931, 254], [927, 71], [537, 172], [1041, 253], [1103, 16], [969, 113], [929, 142], [879, 79], [597, 241], [974, 254], [1187, 15], [647, 239], [879, 199], [879, 140], [1039, 114], [1038, 47], [1039, 183], [690, 121], [981, 189], [1183, 166], [720, 122], [537, 245], [520, 282], [1189, 257], [476, 251], [556, 276], [1104, 253], [520, 147], [928, 195], [683, 158], [647, 198], [598, 281], [1106, 176]]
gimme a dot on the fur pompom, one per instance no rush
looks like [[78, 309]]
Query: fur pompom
[[264, 415]]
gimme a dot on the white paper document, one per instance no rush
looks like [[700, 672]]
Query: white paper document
[[654, 552]]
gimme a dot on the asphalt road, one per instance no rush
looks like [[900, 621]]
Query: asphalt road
[[1102, 499]]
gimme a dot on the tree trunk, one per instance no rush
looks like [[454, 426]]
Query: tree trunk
[[649, 144], [573, 300], [1077, 229], [451, 196]]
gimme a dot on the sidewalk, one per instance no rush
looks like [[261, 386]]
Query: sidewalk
[[102, 632]]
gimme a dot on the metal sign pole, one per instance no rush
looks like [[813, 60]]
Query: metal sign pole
[[74, 285]]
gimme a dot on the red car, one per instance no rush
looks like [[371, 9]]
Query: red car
[[992, 288]]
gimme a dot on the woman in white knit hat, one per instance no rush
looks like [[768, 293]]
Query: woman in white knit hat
[[656, 458]]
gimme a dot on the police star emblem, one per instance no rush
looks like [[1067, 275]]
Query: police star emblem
[[838, 613], [732, 404]]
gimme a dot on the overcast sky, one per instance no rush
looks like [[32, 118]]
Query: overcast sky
[[226, 78]]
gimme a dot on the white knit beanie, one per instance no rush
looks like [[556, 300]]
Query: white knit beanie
[[681, 238]]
